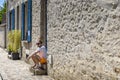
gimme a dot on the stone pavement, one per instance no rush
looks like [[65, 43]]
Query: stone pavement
[[17, 69]]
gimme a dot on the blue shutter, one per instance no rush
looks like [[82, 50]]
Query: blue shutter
[[29, 19], [13, 19], [23, 21]]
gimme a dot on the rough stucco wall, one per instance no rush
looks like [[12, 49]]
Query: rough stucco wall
[[35, 23], [83, 38]]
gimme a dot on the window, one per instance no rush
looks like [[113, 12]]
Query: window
[[13, 19], [23, 21], [10, 20], [17, 17], [26, 21]]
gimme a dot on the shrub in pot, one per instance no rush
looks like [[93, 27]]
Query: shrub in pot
[[9, 48], [16, 44], [10, 42]]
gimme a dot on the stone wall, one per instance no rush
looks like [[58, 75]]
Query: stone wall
[[35, 22], [83, 39], [3, 35], [30, 47], [13, 3], [27, 48]]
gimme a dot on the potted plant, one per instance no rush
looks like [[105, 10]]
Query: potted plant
[[9, 48], [10, 42], [16, 44]]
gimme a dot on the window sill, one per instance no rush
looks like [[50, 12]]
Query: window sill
[[24, 41]]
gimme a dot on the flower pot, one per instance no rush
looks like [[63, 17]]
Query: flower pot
[[9, 52], [15, 56]]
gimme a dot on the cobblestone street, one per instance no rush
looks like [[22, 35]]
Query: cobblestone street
[[16, 69]]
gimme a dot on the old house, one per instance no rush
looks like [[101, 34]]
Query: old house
[[81, 36], [27, 16]]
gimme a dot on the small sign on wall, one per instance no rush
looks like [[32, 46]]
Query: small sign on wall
[[50, 60], [28, 33]]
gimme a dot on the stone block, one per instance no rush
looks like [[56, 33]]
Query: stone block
[[38, 71]]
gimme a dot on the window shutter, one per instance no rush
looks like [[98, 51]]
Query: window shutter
[[13, 19], [23, 21], [29, 19]]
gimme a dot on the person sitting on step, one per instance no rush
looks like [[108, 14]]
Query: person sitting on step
[[39, 56]]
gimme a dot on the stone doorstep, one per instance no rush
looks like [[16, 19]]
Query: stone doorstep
[[38, 71]]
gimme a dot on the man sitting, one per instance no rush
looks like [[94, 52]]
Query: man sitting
[[39, 56]]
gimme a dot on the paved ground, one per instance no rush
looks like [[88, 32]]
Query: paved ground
[[16, 69]]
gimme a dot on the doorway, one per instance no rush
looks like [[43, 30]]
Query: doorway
[[43, 22]]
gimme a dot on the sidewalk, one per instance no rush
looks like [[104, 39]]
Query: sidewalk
[[16, 69]]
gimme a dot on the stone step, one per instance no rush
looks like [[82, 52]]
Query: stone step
[[38, 71]]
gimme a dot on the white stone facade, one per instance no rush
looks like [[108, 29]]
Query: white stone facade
[[83, 39]]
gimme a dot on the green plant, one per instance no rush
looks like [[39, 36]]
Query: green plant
[[10, 40], [9, 47], [17, 41]]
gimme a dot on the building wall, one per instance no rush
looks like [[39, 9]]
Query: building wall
[[3, 35], [83, 39], [30, 47], [27, 48]]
